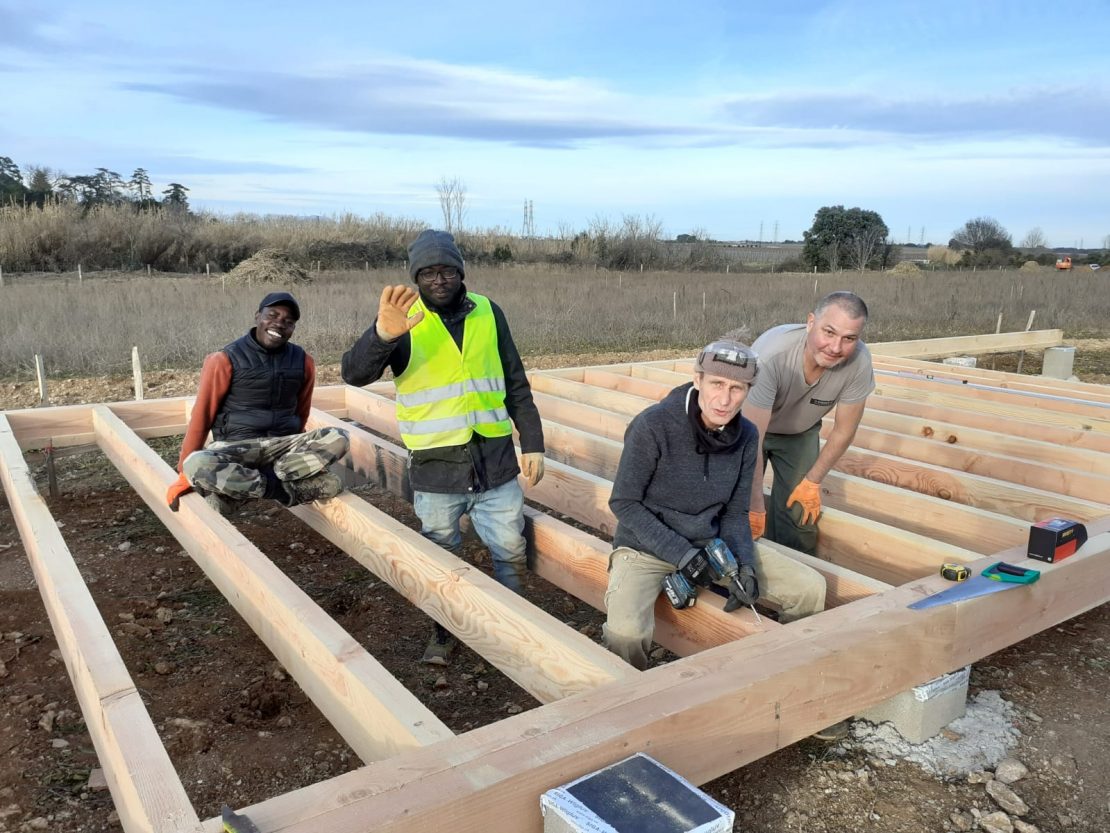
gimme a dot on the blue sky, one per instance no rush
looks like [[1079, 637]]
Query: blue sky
[[712, 116]]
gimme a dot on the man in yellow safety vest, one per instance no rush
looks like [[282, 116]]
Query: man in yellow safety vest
[[461, 387]]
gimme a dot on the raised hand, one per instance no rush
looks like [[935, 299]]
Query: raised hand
[[393, 312]]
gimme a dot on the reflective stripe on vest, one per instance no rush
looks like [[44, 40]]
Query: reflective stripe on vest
[[445, 396]]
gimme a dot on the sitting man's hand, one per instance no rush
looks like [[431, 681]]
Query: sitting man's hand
[[179, 487], [393, 312], [808, 494], [758, 521], [531, 466], [743, 591], [698, 571]]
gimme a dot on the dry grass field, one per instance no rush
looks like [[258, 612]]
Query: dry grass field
[[89, 327]]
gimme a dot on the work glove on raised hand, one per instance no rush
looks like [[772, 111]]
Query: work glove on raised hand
[[808, 494], [393, 312], [179, 487], [758, 521], [531, 466], [697, 570], [743, 591]]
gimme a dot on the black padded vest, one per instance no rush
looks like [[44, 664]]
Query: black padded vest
[[262, 399]]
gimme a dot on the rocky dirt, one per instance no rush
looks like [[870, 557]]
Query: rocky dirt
[[239, 730]]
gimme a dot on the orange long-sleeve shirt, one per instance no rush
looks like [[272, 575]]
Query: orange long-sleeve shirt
[[215, 381]]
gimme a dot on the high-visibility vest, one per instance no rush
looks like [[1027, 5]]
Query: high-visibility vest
[[446, 395]]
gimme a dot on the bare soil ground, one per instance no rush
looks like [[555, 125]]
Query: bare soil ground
[[239, 730]]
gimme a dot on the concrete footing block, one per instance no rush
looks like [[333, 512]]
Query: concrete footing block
[[1058, 362], [960, 361], [636, 794], [921, 712]]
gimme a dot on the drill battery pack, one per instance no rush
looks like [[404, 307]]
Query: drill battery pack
[[1055, 539]]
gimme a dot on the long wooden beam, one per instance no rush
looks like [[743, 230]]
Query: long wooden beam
[[569, 558], [941, 432], [1053, 478], [373, 712], [936, 348], [703, 715], [952, 398], [1085, 408], [146, 790], [1025, 425], [971, 489], [996, 378]]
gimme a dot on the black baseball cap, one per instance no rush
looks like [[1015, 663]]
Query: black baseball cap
[[276, 299]]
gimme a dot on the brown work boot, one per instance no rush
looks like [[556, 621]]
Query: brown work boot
[[322, 486], [440, 647]]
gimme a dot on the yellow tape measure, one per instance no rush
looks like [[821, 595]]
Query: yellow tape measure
[[955, 572]]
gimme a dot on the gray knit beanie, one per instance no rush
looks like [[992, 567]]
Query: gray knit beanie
[[434, 248]]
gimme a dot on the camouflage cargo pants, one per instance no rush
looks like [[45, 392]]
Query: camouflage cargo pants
[[232, 469]]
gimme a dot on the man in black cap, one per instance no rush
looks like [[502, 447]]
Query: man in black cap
[[461, 387], [255, 396]]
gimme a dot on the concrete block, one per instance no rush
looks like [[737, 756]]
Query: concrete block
[[1058, 362], [960, 361], [921, 712], [635, 795]]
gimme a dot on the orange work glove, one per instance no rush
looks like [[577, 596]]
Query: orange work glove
[[531, 466], [179, 487], [808, 494], [758, 521]]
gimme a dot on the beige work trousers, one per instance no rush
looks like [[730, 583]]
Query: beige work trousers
[[636, 579]]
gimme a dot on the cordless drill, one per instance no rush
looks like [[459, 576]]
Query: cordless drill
[[682, 593]]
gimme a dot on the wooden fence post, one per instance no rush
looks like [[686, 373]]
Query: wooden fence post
[[80, 277], [137, 373], [40, 374], [1028, 327]]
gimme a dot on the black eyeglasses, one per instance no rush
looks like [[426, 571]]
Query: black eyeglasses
[[431, 274]]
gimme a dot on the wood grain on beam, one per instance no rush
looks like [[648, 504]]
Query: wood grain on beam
[[1052, 478], [373, 712], [621, 403], [539, 653], [971, 489], [978, 439], [146, 790], [1024, 426]]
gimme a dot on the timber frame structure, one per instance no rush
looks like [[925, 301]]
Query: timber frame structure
[[949, 464]]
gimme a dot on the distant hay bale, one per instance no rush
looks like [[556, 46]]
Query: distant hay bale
[[1032, 266], [269, 266], [906, 267]]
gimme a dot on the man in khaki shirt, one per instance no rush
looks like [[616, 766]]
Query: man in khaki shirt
[[805, 371]]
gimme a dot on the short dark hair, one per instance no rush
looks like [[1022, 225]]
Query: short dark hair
[[850, 302]]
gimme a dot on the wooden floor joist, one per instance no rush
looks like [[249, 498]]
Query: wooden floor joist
[[940, 471]]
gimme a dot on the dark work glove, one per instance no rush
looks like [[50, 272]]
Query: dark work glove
[[743, 591], [697, 570]]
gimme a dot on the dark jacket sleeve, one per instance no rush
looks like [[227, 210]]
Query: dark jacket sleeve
[[736, 529], [367, 360], [635, 472], [518, 393]]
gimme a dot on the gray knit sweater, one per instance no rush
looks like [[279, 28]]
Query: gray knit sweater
[[670, 497]]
